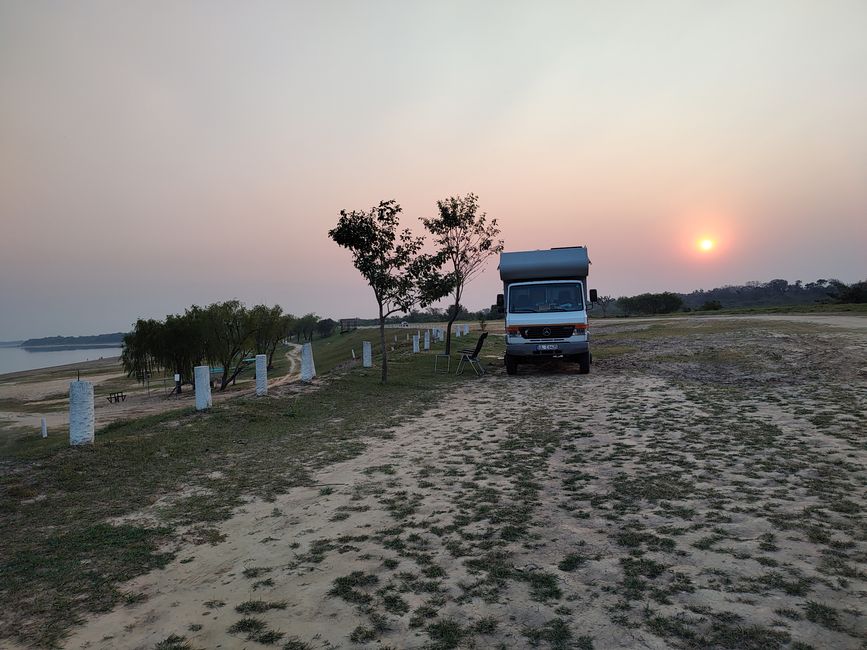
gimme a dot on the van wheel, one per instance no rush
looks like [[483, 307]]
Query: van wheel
[[511, 365], [584, 363]]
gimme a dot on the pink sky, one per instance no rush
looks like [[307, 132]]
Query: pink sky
[[154, 155]]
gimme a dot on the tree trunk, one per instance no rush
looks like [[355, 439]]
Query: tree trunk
[[453, 318], [382, 343]]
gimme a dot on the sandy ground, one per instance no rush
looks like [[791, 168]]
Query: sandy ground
[[48, 398], [700, 492]]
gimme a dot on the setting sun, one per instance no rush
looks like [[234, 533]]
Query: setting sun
[[706, 244]]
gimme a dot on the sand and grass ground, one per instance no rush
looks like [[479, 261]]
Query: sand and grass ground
[[703, 487], [28, 396]]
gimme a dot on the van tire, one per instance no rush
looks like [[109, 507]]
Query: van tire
[[584, 363], [511, 365]]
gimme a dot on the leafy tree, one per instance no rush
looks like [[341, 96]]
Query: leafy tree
[[175, 345], [651, 303], [391, 262], [305, 326], [182, 346], [854, 293], [141, 353], [325, 327], [269, 327], [228, 331], [466, 240]]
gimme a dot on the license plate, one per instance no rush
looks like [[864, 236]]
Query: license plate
[[547, 347]]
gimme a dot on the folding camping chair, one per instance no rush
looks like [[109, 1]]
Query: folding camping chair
[[472, 357]]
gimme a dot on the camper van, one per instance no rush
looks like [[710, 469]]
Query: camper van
[[545, 300]]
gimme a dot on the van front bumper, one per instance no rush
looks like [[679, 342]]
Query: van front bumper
[[528, 351]]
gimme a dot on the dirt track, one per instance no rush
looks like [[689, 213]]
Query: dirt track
[[702, 487]]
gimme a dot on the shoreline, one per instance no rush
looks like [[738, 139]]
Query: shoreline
[[82, 365]]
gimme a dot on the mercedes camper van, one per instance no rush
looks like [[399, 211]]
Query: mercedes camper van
[[545, 299]]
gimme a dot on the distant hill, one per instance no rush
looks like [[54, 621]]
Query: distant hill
[[113, 340]]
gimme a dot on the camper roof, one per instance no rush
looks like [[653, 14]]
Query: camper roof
[[553, 264]]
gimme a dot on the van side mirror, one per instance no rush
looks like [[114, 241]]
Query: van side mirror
[[501, 301], [594, 296]]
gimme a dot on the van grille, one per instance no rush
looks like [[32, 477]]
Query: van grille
[[547, 332]]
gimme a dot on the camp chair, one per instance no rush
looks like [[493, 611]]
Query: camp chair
[[472, 357]]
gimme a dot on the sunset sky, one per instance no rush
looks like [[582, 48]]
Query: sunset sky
[[158, 154]]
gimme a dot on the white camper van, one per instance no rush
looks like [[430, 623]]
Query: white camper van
[[545, 299]]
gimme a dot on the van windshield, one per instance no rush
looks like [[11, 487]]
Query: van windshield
[[535, 298]]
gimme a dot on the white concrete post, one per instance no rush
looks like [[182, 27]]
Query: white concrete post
[[415, 342], [458, 332], [366, 354], [427, 340], [308, 368], [353, 354], [203, 388], [44, 428], [466, 329], [261, 374], [80, 413]]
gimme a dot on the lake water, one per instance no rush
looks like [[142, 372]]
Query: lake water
[[16, 359]]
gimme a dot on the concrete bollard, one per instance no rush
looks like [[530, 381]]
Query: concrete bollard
[[427, 340], [203, 388], [308, 368], [466, 330], [261, 374], [81, 422], [415, 342], [353, 354], [44, 428], [366, 354]]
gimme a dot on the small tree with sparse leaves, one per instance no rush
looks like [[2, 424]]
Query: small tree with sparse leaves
[[466, 240], [391, 261]]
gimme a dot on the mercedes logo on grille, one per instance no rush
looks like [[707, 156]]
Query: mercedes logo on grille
[[546, 331]]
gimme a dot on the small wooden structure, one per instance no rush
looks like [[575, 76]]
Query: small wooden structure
[[116, 397], [348, 324]]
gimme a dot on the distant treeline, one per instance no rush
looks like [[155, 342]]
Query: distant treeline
[[752, 294], [113, 340]]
